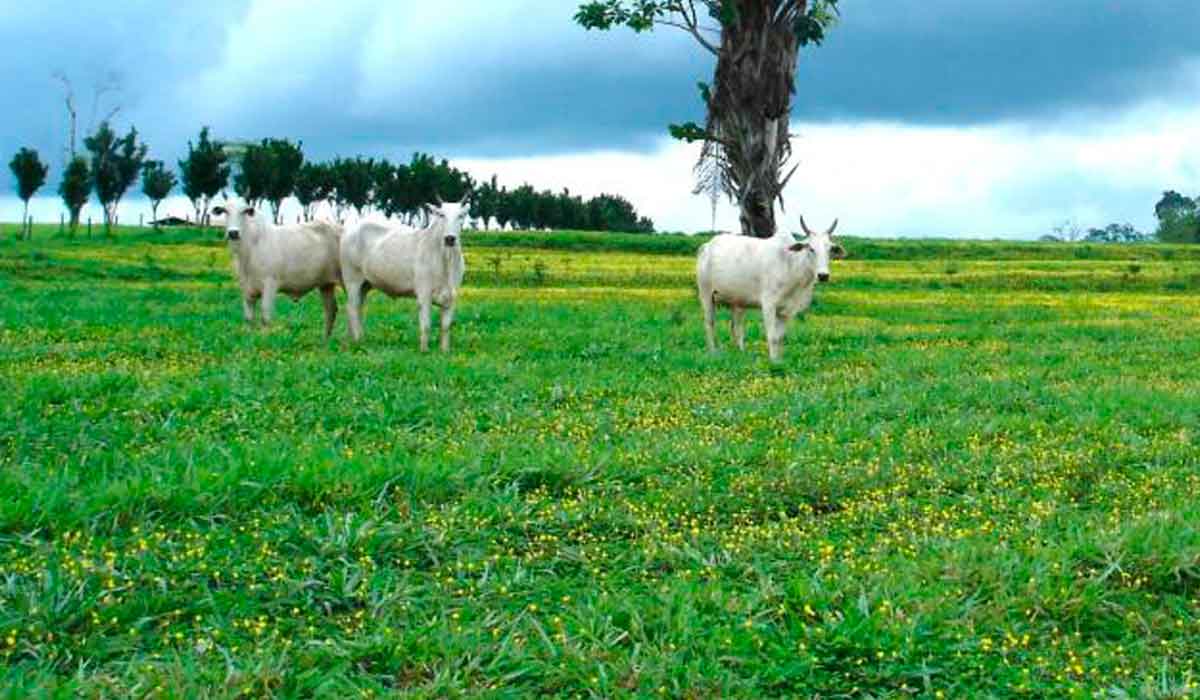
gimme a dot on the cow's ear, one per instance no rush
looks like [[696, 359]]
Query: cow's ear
[[799, 247], [219, 211], [248, 211], [837, 252]]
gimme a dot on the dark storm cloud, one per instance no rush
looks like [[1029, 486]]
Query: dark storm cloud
[[966, 61], [140, 48], [533, 83]]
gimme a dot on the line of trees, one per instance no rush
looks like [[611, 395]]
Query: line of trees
[[272, 170], [112, 166], [1178, 222]]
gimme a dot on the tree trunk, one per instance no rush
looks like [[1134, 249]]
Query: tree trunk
[[26, 227], [750, 109], [154, 214]]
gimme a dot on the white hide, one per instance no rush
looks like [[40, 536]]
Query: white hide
[[776, 274], [427, 264], [291, 259]]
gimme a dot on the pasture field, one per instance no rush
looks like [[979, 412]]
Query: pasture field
[[975, 474]]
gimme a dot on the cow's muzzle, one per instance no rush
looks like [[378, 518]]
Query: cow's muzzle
[[451, 241], [823, 277], [233, 235]]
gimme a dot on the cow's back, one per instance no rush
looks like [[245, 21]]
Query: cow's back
[[306, 255], [386, 256], [731, 266]]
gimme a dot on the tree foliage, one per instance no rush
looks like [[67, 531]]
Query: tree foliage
[[75, 188], [157, 183], [269, 172], [31, 174], [313, 184], [354, 182], [116, 163], [204, 173], [1178, 218], [1115, 233]]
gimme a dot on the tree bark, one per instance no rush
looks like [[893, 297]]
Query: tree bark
[[750, 109]]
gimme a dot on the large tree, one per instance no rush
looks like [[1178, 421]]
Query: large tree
[[31, 173], [116, 164], [205, 172], [747, 142], [157, 183]]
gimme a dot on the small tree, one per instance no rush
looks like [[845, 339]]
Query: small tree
[[483, 206], [312, 186], [504, 207], [268, 172], [31, 175], [116, 164], [355, 179], [1069, 230], [253, 178], [205, 172], [75, 188], [1178, 218], [157, 183]]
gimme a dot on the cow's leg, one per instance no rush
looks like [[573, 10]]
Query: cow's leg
[[710, 318], [447, 321], [737, 326], [425, 313], [248, 308], [356, 295], [329, 298], [774, 328], [270, 291]]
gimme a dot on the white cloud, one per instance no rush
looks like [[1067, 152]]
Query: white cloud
[[1004, 181]]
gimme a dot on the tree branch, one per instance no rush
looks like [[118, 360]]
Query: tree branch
[[694, 30]]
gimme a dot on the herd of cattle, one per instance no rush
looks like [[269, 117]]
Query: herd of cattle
[[776, 274]]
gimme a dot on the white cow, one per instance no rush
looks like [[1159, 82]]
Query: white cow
[[775, 274], [292, 259], [427, 264]]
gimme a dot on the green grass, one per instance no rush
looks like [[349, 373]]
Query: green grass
[[974, 475]]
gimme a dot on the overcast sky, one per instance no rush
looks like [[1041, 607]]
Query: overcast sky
[[918, 117]]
